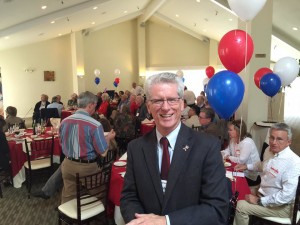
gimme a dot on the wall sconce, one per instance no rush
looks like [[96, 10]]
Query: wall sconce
[[29, 70], [80, 72]]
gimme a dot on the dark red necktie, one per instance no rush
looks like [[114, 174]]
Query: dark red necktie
[[165, 163]]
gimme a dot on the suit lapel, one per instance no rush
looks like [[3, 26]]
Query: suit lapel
[[180, 155], [150, 153]]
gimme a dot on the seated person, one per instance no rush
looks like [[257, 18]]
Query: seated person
[[72, 103], [12, 119], [242, 149], [59, 99], [104, 107], [206, 118], [185, 111], [279, 178], [55, 104], [38, 106], [124, 123], [193, 119], [4, 149]]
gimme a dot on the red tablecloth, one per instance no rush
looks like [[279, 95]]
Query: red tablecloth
[[18, 156], [116, 184], [146, 127]]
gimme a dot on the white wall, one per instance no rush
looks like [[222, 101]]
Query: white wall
[[22, 89]]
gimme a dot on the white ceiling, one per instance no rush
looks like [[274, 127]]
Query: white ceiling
[[23, 21]]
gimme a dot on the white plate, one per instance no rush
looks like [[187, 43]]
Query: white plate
[[227, 164], [120, 163]]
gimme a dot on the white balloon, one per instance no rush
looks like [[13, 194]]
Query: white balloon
[[205, 81], [117, 72], [179, 73], [97, 72], [246, 9], [287, 68]]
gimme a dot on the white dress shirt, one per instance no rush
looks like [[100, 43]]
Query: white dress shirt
[[279, 177]]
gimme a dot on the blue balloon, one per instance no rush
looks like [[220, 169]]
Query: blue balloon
[[225, 92], [270, 84], [115, 84], [97, 80]]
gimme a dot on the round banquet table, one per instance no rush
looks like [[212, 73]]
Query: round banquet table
[[18, 155]]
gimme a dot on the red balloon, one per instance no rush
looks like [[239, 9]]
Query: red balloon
[[259, 74], [117, 80], [210, 71], [235, 50]]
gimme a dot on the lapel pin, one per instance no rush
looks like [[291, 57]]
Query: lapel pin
[[186, 148]]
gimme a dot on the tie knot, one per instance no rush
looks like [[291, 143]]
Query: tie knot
[[164, 141]]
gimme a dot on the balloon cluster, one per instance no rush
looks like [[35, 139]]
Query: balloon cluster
[[97, 78], [285, 72], [116, 82]]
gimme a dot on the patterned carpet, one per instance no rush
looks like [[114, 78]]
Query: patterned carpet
[[16, 208]]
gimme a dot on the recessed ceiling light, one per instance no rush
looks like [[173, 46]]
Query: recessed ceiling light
[[95, 7], [125, 11], [52, 21], [230, 19], [197, 0], [204, 30], [6, 38], [177, 15], [93, 23], [59, 34], [295, 28], [44, 7]]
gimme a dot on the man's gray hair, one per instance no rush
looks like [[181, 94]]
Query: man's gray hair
[[86, 98], [282, 127], [164, 78]]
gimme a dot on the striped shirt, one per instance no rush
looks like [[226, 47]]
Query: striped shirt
[[81, 136]]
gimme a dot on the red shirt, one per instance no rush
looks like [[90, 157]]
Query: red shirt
[[103, 108]]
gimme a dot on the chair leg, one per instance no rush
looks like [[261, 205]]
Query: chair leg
[[1, 195]]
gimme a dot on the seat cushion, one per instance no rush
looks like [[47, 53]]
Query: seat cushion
[[39, 164], [70, 208], [282, 220]]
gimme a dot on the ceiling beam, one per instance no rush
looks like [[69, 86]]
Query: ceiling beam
[[181, 27], [151, 9], [63, 13]]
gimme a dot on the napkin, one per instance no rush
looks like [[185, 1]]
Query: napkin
[[122, 174], [147, 121]]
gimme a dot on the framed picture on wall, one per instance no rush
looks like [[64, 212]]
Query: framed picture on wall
[[49, 76]]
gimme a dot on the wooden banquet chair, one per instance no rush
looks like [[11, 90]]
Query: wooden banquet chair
[[278, 220], [122, 144], [39, 155], [90, 201], [196, 128], [233, 198]]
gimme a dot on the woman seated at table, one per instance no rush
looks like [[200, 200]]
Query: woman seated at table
[[104, 107], [12, 119], [242, 149], [124, 123], [72, 103]]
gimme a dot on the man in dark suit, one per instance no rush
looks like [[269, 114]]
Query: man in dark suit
[[193, 190]]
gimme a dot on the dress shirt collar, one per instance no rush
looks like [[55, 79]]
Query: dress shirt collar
[[283, 153], [172, 137], [82, 111]]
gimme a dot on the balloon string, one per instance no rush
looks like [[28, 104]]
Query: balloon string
[[271, 110], [280, 104], [246, 49]]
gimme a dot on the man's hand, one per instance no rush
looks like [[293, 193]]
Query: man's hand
[[251, 199], [148, 219], [240, 167]]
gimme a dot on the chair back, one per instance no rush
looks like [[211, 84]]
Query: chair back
[[47, 113], [122, 144], [39, 150], [108, 159], [296, 213], [92, 189], [233, 197], [196, 128]]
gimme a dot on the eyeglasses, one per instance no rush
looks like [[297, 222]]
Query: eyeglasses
[[200, 117], [278, 140], [160, 102]]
